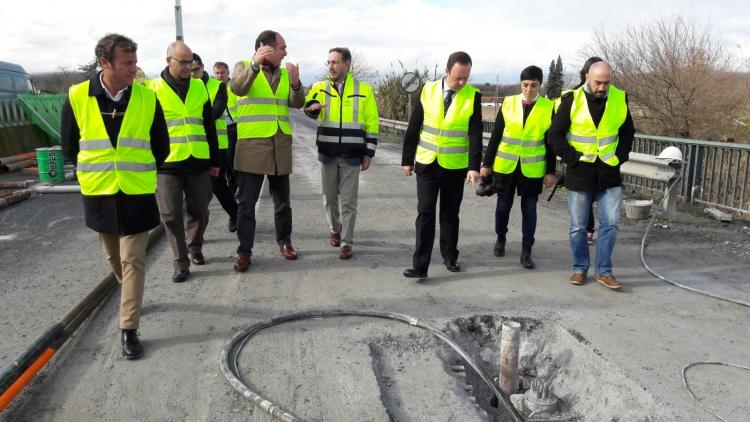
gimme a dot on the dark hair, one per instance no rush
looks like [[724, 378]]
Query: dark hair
[[221, 64], [458, 57], [531, 73], [586, 67], [197, 59], [105, 48], [266, 37], [345, 53]]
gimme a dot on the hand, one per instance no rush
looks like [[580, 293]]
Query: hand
[[261, 54], [293, 70], [472, 176], [366, 160], [549, 180], [315, 107], [485, 172], [215, 171], [407, 170]]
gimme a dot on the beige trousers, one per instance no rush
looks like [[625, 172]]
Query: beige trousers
[[127, 257]]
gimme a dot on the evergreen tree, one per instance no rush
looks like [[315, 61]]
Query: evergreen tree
[[554, 85]]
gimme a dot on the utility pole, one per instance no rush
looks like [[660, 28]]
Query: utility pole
[[497, 88], [178, 19]]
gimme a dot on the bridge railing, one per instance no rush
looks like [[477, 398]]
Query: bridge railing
[[716, 174]]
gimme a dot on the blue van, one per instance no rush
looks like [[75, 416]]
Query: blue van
[[13, 80]]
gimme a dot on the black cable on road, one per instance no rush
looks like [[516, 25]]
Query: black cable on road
[[231, 351]]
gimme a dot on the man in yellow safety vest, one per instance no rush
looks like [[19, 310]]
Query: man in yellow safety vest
[[265, 92], [193, 158], [217, 93], [115, 133], [593, 132], [347, 133], [444, 137]]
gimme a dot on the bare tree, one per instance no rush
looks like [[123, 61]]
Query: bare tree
[[361, 68], [678, 76]]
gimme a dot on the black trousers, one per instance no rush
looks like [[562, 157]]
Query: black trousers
[[221, 189], [434, 181], [249, 185], [231, 177]]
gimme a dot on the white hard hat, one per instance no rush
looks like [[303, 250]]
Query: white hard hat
[[671, 153]]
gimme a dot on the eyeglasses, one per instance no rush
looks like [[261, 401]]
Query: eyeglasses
[[182, 62], [333, 62]]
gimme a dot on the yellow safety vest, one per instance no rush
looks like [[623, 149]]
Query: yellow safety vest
[[130, 167], [348, 119], [187, 136], [212, 85], [261, 112], [593, 141], [231, 103], [524, 142], [445, 137]]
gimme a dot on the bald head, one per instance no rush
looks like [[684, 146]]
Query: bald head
[[179, 60], [599, 78]]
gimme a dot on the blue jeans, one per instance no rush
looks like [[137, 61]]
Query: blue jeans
[[528, 217], [579, 204]]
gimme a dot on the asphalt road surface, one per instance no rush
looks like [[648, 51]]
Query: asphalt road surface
[[356, 369]]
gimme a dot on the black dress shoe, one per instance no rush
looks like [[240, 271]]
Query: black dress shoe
[[499, 249], [131, 346], [232, 226], [415, 273], [526, 260], [197, 258], [452, 266], [180, 275]]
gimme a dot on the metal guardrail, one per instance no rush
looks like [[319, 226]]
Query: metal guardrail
[[717, 174]]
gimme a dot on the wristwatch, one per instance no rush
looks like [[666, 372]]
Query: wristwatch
[[255, 68]]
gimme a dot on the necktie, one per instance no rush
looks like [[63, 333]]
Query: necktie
[[448, 100]]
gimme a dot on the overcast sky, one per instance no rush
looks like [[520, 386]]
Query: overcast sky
[[501, 36]]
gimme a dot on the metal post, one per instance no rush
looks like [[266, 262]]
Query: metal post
[[178, 20], [408, 108], [509, 339]]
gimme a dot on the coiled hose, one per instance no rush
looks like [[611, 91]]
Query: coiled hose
[[230, 355]]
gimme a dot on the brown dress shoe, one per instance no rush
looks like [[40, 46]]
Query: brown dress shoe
[[288, 252], [577, 278], [346, 252], [608, 280], [242, 263], [335, 239]]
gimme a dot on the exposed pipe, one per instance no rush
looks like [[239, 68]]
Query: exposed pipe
[[14, 198], [56, 189], [18, 157], [230, 357], [15, 376], [14, 185], [16, 165], [509, 344]]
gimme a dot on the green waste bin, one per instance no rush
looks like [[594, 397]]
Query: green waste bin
[[50, 163]]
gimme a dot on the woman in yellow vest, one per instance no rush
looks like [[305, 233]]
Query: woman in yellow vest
[[520, 159]]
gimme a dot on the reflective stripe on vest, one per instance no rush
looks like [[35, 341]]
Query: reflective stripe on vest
[[103, 169], [593, 141], [445, 136], [212, 86], [261, 112], [524, 142], [187, 136]]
